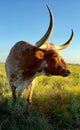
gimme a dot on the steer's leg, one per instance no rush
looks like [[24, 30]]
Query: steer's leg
[[13, 89], [30, 91]]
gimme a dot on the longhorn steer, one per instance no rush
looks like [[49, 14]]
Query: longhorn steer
[[26, 61]]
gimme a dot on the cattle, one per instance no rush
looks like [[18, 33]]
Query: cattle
[[27, 61]]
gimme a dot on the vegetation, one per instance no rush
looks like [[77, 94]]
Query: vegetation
[[55, 106]]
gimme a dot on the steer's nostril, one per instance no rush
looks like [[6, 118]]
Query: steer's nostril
[[66, 73]]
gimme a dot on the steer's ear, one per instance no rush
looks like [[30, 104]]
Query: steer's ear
[[39, 54]]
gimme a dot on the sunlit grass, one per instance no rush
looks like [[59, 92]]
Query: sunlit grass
[[2, 70], [55, 104]]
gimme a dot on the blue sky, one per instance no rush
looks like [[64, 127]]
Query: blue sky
[[28, 20]]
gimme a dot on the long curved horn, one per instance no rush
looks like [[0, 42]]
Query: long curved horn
[[67, 43], [49, 31]]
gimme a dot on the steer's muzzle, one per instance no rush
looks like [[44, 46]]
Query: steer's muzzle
[[66, 73]]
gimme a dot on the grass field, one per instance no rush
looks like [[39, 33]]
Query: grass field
[[55, 106]]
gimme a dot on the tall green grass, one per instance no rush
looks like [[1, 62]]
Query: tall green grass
[[55, 105]]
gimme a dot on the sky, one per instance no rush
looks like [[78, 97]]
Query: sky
[[28, 20]]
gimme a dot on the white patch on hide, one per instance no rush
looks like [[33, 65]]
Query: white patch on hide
[[41, 70]]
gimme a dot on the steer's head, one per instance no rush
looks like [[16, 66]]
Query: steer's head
[[54, 63]]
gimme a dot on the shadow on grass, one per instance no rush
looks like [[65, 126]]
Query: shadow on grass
[[62, 111], [19, 116], [46, 113]]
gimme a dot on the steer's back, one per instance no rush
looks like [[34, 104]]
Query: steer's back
[[20, 63], [19, 52]]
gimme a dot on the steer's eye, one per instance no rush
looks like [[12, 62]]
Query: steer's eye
[[55, 55], [60, 66]]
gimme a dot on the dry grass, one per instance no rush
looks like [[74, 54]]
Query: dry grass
[[56, 104]]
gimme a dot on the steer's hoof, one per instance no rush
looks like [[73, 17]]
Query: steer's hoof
[[29, 101]]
